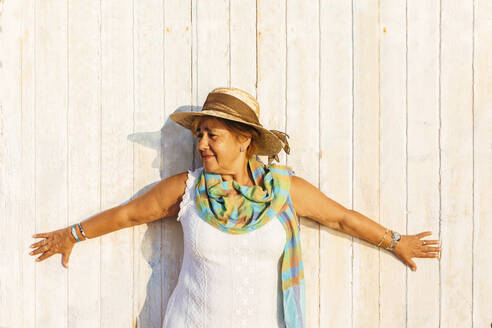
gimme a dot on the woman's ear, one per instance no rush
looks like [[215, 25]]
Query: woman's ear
[[245, 142]]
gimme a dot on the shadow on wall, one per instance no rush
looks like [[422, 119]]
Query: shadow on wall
[[162, 244]]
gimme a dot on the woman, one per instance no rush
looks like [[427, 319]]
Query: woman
[[233, 272]]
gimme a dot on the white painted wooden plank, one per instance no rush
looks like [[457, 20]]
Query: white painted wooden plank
[[9, 157], [302, 125], [51, 155], [242, 26], [212, 49], [366, 159], [117, 159], [423, 156], [393, 165], [271, 69], [84, 137], [16, 206], [148, 118], [177, 142], [482, 162], [335, 158], [456, 163], [27, 164]]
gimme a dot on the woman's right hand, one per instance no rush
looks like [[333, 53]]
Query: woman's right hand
[[58, 241]]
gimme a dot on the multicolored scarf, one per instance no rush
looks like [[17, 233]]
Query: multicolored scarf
[[238, 209]]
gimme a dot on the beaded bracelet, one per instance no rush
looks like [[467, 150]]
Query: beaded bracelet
[[81, 230], [74, 233]]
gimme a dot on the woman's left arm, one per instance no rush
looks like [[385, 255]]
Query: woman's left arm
[[309, 201]]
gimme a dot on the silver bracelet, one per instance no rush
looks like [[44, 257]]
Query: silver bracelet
[[395, 238], [81, 230]]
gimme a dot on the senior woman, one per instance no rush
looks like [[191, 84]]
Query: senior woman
[[242, 264]]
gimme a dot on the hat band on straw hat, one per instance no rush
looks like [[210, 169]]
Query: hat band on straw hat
[[230, 105]]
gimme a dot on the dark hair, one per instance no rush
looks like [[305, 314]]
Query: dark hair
[[239, 130]]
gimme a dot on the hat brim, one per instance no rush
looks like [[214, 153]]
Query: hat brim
[[268, 143]]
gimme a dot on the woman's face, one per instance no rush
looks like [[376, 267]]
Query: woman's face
[[219, 149]]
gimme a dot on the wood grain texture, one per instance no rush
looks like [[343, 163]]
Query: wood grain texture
[[393, 157], [176, 142], [17, 208], [117, 168], [482, 159], [148, 35], [387, 103], [456, 162], [51, 154], [84, 166], [424, 175], [366, 158], [303, 110], [335, 159]]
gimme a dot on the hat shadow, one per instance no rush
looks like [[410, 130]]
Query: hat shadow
[[162, 243]]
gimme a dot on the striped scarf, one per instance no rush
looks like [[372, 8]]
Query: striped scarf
[[250, 208]]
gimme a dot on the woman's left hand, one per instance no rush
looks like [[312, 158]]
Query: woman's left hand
[[413, 246]]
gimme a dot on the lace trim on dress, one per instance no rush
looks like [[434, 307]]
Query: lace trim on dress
[[185, 202]]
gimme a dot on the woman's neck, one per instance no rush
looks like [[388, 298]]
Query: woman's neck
[[243, 176]]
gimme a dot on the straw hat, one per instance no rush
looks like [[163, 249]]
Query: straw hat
[[237, 105]]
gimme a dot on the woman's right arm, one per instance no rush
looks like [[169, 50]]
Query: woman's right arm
[[162, 200]]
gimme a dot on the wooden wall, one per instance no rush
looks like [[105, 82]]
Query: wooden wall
[[388, 104]]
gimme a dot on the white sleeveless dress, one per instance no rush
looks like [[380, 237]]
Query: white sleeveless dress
[[226, 280]]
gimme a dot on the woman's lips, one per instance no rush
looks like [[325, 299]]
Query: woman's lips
[[207, 157]]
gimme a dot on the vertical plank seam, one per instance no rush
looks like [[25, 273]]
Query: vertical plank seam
[[352, 172], [161, 223], [35, 149], [67, 185], [379, 155], [285, 74], [473, 167], [440, 154], [229, 45], [406, 152], [194, 67], [256, 48], [319, 158], [192, 103], [21, 50], [100, 152], [132, 280]]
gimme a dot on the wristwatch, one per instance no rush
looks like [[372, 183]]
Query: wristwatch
[[395, 238]]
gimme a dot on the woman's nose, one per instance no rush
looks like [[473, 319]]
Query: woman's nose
[[203, 143]]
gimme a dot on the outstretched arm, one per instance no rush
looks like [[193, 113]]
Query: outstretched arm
[[309, 201], [162, 200]]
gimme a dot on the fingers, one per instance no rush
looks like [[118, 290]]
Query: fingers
[[65, 258], [423, 234], [412, 265], [39, 243], [431, 242], [41, 235], [45, 256], [41, 249], [429, 255], [431, 249]]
